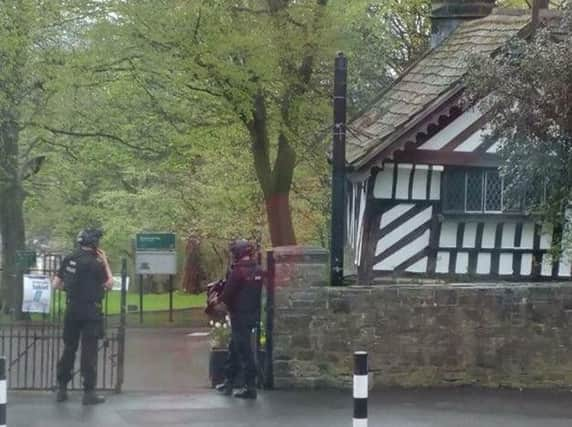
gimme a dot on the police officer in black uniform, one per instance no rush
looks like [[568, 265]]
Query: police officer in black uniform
[[241, 296], [84, 275]]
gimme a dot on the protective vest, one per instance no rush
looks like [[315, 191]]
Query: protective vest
[[83, 274]]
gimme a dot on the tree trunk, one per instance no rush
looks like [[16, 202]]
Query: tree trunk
[[275, 182], [193, 273], [13, 240], [278, 199], [280, 220], [12, 226]]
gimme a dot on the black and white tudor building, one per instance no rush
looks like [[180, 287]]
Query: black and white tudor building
[[424, 195]]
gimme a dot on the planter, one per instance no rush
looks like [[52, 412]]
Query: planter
[[216, 365]]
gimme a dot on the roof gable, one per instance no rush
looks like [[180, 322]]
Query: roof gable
[[429, 83]]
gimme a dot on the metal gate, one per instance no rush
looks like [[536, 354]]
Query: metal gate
[[33, 347], [265, 327]]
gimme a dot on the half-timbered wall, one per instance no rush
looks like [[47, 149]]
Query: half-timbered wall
[[415, 236], [404, 238], [356, 198], [498, 247], [407, 197]]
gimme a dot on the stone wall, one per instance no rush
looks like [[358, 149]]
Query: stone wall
[[513, 335]]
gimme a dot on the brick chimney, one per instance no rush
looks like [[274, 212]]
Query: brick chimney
[[446, 15]]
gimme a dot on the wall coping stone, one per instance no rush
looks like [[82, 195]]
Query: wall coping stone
[[300, 254], [465, 285]]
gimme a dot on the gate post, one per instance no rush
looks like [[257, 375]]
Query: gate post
[[270, 281], [338, 173], [122, 325], [293, 270], [3, 392]]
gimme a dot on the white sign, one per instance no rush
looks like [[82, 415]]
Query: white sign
[[117, 283], [37, 294], [153, 262]]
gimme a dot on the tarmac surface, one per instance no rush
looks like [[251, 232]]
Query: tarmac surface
[[166, 360], [393, 408]]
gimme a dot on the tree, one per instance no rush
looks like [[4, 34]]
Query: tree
[[36, 40], [254, 69], [28, 52], [151, 129], [530, 88]]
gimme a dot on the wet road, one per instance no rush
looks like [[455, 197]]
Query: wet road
[[397, 408]]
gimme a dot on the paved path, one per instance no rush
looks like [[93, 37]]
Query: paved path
[[166, 360], [203, 408]]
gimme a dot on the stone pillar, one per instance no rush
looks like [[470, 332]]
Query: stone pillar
[[298, 270]]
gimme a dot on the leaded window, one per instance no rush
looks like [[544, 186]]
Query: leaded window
[[455, 200], [493, 191], [473, 190], [474, 198]]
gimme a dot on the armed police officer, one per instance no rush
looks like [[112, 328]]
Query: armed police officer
[[241, 295], [85, 276]]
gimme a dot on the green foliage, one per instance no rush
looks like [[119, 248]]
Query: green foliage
[[32, 44], [148, 122], [531, 87], [389, 36]]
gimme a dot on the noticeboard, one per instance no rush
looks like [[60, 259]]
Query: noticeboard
[[155, 253], [156, 262], [156, 242], [37, 294]]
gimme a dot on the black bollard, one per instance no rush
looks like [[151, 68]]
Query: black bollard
[[360, 389], [3, 392]]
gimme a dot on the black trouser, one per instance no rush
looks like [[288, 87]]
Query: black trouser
[[240, 353], [89, 331]]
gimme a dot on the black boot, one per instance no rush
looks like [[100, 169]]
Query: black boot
[[246, 393], [225, 388], [62, 394], [91, 398]]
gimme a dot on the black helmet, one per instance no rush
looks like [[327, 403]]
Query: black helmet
[[89, 237], [241, 248]]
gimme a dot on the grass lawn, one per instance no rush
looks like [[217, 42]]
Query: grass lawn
[[155, 307], [156, 302], [151, 302]]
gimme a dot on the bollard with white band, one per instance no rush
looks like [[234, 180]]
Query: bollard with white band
[[3, 392], [360, 389]]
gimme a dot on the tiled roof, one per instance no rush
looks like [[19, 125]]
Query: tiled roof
[[428, 83]]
